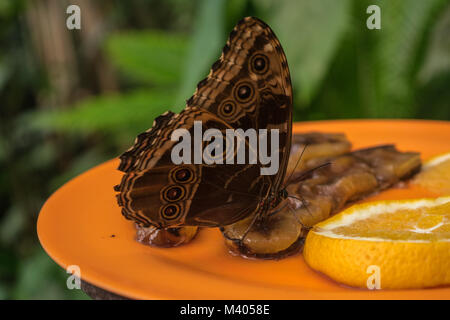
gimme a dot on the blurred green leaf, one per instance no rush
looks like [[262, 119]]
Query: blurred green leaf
[[339, 95], [373, 72], [79, 164], [434, 98], [402, 28], [12, 224], [3, 292], [40, 278], [207, 41], [8, 263], [152, 57], [437, 59], [42, 155], [10, 7], [310, 32], [3, 150], [235, 10], [5, 72], [131, 112]]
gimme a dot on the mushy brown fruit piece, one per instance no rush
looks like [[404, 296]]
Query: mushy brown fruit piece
[[165, 238], [318, 195], [319, 147]]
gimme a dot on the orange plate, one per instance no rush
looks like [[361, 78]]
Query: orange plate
[[77, 223]]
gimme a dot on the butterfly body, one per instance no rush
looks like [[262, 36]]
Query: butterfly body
[[247, 88]]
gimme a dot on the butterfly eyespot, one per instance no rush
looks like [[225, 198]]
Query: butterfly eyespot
[[244, 92], [182, 175], [170, 212], [173, 193], [227, 109], [259, 64]]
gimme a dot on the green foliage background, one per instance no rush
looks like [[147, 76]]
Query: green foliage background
[[159, 50]]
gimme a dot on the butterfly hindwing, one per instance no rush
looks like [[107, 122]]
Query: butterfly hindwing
[[155, 191]]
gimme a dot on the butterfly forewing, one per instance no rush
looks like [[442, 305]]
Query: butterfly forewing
[[250, 85]]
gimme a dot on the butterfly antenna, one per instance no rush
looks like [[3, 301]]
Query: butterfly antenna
[[291, 196], [296, 165], [308, 172], [276, 211]]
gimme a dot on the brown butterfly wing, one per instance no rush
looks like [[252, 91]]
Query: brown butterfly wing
[[248, 87], [154, 191], [145, 197], [252, 79]]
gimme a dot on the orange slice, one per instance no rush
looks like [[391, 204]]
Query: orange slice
[[384, 244], [435, 175]]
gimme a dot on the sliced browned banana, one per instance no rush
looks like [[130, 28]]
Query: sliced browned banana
[[320, 146], [326, 191], [164, 238], [276, 237]]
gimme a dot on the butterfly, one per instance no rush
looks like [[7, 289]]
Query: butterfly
[[248, 87]]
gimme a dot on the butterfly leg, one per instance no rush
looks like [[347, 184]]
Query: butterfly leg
[[241, 240], [255, 217]]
